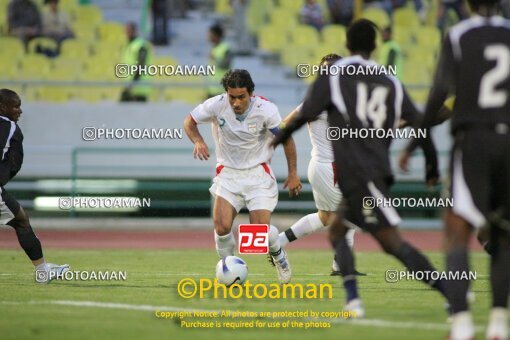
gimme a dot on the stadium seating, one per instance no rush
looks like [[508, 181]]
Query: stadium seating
[[12, 47], [34, 67], [304, 36], [377, 15], [333, 35], [75, 48], [406, 17], [112, 32], [44, 43], [89, 14], [270, 41]]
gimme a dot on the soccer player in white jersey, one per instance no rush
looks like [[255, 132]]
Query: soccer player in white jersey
[[322, 177], [243, 127]]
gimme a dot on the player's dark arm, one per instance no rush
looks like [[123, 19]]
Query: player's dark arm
[[142, 58], [318, 99], [411, 115], [200, 150]]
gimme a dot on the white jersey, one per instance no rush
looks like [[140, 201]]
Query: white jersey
[[240, 144], [322, 149]]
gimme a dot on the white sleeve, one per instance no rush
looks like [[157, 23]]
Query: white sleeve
[[274, 119], [206, 111]]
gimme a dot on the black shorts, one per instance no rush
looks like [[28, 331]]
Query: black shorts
[[365, 206], [480, 176], [9, 207]]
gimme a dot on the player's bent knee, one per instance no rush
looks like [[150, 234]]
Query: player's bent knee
[[325, 217]]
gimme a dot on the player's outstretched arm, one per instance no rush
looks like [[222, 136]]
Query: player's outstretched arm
[[200, 150], [293, 182]]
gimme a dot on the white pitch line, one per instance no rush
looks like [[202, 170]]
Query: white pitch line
[[151, 308]]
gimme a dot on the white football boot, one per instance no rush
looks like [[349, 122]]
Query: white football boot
[[355, 308], [50, 272], [283, 268], [462, 327], [497, 329]]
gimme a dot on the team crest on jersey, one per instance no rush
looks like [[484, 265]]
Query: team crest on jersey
[[252, 127]]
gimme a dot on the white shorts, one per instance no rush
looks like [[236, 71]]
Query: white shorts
[[325, 189], [255, 188]]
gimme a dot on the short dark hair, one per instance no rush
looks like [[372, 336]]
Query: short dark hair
[[7, 96], [330, 58], [361, 36], [217, 30], [238, 79], [475, 4]]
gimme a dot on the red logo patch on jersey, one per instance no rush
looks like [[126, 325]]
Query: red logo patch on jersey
[[253, 239]]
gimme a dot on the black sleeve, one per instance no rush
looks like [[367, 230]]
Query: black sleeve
[[318, 99], [5, 164], [226, 60]]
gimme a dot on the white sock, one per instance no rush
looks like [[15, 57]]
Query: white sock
[[349, 237], [225, 244], [42, 266], [275, 248], [305, 226]]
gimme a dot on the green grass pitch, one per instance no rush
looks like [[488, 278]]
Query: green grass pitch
[[125, 309]]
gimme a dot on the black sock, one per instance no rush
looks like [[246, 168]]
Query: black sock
[[29, 242], [457, 262], [346, 264], [500, 275], [290, 235], [416, 261]]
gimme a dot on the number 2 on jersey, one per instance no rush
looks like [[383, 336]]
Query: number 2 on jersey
[[373, 107], [488, 96]]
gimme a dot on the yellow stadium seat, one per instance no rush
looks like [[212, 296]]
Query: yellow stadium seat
[[187, 95], [112, 31], [271, 41], [377, 15], [68, 5], [291, 6], [223, 7], [46, 43], [12, 47], [108, 50], [164, 60], [56, 94], [90, 14], [34, 67], [406, 17], [64, 72], [9, 68], [74, 48], [428, 36], [68, 62], [402, 35], [417, 79], [281, 19], [418, 55], [84, 31], [99, 70], [334, 35], [88, 94], [293, 55], [257, 14], [304, 35]]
